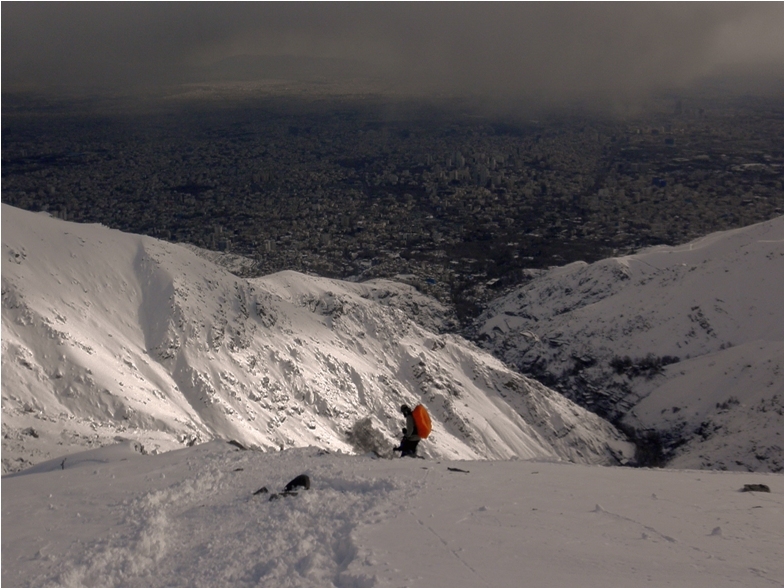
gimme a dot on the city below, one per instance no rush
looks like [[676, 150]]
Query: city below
[[458, 203]]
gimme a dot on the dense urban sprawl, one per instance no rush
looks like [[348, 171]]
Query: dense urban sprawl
[[458, 204]]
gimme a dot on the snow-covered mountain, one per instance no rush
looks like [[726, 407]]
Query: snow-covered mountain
[[683, 344], [109, 335]]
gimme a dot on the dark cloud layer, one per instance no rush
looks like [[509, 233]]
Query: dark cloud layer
[[504, 50]]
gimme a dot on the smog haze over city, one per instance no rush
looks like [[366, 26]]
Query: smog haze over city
[[545, 51], [455, 146]]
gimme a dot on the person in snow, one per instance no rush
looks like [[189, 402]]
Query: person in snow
[[408, 445]]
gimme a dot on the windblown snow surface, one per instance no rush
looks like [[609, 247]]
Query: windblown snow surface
[[684, 344], [109, 335], [189, 518]]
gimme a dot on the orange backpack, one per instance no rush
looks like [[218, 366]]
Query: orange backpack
[[422, 421]]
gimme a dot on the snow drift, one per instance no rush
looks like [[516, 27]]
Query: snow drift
[[113, 518]]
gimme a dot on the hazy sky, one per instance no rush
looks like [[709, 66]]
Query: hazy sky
[[493, 49]]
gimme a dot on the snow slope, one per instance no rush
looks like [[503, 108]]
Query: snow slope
[[108, 335], [683, 342], [114, 518]]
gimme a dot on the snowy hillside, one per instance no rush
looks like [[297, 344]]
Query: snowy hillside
[[113, 518], [686, 344], [108, 335]]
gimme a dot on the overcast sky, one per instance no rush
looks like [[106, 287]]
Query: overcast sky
[[493, 49]]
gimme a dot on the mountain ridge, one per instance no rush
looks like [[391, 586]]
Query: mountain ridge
[[681, 346], [108, 335]]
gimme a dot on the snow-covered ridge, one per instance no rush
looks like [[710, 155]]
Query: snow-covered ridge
[[685, 344], [109, 335]]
